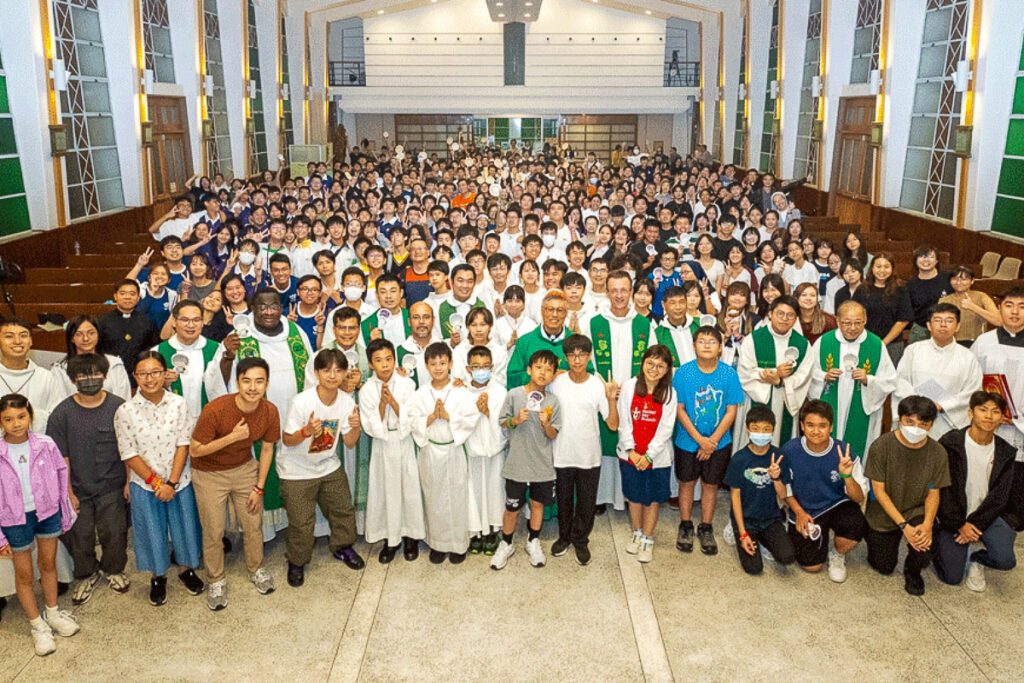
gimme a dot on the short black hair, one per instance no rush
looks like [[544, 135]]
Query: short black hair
[[759, 412], [944, 308], [917, 406], [479, 352], [817, 407], [247, 364], [85, 364], [437, 350], [980, 398], [577, 342], [708, 331], [376, 345], [544, 356], [330, 357]]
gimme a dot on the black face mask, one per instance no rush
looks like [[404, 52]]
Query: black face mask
[[89, 386]]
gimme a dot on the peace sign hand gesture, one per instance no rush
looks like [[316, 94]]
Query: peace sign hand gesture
[[845, 462], [144, 257], [775, 466]]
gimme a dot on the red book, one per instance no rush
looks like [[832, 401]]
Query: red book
[[996, 383]]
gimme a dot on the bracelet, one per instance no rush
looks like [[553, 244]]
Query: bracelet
[[258, 490], [157, 484], [780, 478], [744, 535], [649, 458], [152, 476], [845, 476], [173, 484], [303, 432]]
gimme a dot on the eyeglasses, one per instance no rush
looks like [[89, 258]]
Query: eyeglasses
[[785, 316], [268, 307], [577, 355], [309, 290], [150, 375]]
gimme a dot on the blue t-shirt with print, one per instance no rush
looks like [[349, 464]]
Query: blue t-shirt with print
[[705, 397]]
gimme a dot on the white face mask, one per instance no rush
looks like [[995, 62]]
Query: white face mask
[[549, 240], [760, 438], [246, 258], [913, 434], [353, 293]]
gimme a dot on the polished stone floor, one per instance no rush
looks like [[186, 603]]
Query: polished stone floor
[[691, 618]]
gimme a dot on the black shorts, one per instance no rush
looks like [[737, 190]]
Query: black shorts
[[515, 493], [710, 471], [844, 520]]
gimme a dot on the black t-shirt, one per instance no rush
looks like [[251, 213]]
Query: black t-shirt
[[749, 473], [722, 247], [926, 293], [680, 208], [883, 311], [85, 436]]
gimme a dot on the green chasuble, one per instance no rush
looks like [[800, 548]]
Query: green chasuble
[[373, 322], [764, 351], [526, 346], [446, 310], [601, 336], [869, 355], [250, 347], [359, 477], [209, 350]]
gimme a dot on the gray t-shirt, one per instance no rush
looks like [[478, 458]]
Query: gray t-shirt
[[530, 452], [85, 436]]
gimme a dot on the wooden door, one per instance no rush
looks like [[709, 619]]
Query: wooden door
[[853, 162], [172, 154]]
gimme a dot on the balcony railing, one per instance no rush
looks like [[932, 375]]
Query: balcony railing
[[682, 74], [346, 74]]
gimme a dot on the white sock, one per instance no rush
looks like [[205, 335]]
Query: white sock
[[52, 611], [38, 623]]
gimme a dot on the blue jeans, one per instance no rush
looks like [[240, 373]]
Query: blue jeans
[[951, 557]]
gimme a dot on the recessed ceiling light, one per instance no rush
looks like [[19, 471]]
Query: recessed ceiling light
[[501, 15], [528, 4], [380, 11], [499, 4], [647, 11], [527, 15]]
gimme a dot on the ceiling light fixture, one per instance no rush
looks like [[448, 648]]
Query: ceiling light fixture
[[527, 15], [501, 15], [380, 11]]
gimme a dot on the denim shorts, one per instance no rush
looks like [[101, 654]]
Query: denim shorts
[[22, 536]]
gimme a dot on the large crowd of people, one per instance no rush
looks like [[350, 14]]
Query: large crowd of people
[[414, 350]]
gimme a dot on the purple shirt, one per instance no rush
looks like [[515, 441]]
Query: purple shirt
[[49, 476]]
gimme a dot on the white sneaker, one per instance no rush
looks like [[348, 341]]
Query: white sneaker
[[646, 549], [42, 637], [500, 558], [217, 595], [263, 580], [728, 535], [836, 565], [536, 553], [634, 543], [63, 623], [975, 577]]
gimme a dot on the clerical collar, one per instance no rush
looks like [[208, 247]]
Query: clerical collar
[[552, 338], [1009, 339]]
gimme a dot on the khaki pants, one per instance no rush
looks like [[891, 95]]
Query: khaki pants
[[301, 497], [213, 490]]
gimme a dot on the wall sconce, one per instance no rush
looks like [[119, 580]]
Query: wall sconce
[[776, 127], [58, 139], [207, 129], [962, 76], [962, 141], [816, 86], [147, 133], [284, 91], [817, 130], [250, 126], [876, 134], [251, 86], [875, 81], [147, 81], [774, 89], [741, 92], [59, 75], [208, 85]]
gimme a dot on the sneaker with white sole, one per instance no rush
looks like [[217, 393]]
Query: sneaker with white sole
[[633, 547], [84, 589], [975, 577], [217, 595], [263, 581], [728, 535], [42, 638], [119, 583], [504, 551], [535, 553], [765, 553], [645, 552], [62, 623], [836, 565]]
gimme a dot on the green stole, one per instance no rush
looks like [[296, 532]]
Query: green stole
[[665, 338], [445, 311], [869, 355], [360, 479], [371, 323], [764, 351], [601, 334], [209, 351], [250, 348]]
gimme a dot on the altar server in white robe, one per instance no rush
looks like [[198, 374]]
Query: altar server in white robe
[[479, 332], [941, 370], [443, 416], [854, 374], [394, 501], [775, 368], [485, 453]]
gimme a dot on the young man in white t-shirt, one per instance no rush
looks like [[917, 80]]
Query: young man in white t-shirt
[[800, 270], [310, 469], [585, 399]]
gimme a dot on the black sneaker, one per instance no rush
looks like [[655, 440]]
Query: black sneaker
[[350, 557], [387, 553], [228, 547], [600, 509], [476, 545], [706, 536], [412, 549], [560, 547], [3, 603], [913, 584], [582, 555], [456, 558], [684, 539], [296, 575], [158, 591], [436, 557], [193, 584]]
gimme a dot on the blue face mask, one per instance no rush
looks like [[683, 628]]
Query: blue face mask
[[760, 438], [482, 376]]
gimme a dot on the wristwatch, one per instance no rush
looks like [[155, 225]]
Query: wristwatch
[[902, 525]]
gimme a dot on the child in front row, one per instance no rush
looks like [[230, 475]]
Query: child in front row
[[35, 507], [758, 481], [485, 451], [533, 418], [584, 400]]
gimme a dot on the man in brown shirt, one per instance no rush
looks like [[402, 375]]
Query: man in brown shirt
[[223, 468]]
